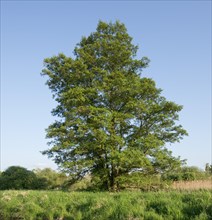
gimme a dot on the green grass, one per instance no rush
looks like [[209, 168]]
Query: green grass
[[56, 205]]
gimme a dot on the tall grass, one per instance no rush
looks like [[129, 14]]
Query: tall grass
[[54, 205]]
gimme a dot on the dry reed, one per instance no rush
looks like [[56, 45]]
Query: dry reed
[[193, 185]]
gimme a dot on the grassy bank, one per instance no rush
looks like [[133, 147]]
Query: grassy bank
[[49, 205]]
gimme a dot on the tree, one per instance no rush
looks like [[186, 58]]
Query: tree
[[185, 173], [208, 168], [51, 178], [16, 177], [112, 122]]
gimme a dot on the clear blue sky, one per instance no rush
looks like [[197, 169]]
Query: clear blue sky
[[175, 35]]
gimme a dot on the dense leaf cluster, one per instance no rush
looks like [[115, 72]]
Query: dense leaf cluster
[[186, 174], [16, 178]]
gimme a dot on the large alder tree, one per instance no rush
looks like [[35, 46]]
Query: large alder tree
[[112, 123]]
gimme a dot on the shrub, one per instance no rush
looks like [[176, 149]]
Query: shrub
[[186, 174], [16, 177]]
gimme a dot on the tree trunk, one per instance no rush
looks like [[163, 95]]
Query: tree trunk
[[112, 179]]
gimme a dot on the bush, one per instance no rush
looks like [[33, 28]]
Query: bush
[[142, 182], [16, 177], [50, 179], [185, 174]]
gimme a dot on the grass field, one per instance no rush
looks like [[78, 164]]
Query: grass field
[[57, 205]]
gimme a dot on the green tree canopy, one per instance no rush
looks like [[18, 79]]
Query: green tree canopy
[[52, 178], [16, 177], [185, 173], [112, 122]]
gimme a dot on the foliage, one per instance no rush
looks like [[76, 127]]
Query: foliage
[[50, 178], [16, 177], [42, 205], [208, 169], [186, 174], [84, 184], [111, 121], [142, 182]]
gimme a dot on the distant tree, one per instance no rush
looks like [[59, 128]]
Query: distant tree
[[208, 168], [16, 177], [51, 178], [185, 173], [114, 123]]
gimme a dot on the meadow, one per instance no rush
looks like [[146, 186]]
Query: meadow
[[58, 205]]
